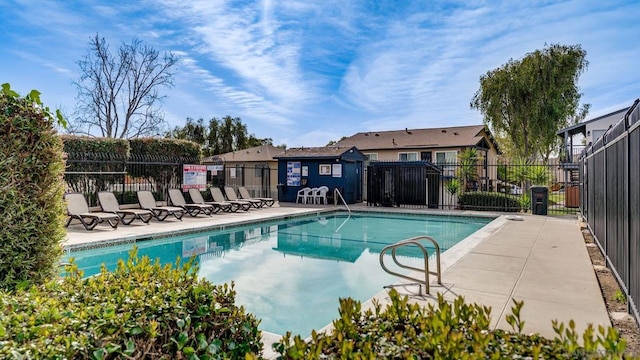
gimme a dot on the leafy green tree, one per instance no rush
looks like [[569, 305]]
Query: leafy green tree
[[334, 142], [31, 189], [219, 136], [118, 93], [529, 100]]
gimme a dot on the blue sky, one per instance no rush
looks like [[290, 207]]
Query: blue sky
[[306, 72]]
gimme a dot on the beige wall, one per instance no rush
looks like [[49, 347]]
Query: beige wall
[[252, 182], [492, 157]]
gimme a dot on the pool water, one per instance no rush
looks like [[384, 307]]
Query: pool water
[[291, 273]]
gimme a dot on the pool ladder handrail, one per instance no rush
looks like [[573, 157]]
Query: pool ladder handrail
[[415, 241], [336, 192]]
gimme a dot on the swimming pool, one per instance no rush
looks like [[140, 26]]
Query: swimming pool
[[290, 273]]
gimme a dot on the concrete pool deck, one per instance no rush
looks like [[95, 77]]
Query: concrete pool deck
[[540, 260]]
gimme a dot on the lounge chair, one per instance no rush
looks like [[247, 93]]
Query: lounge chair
[[77, 208], [217, 195], [109, 204], [232, 196], [244, 193], [148, 202], [177, 199], [196, 197]]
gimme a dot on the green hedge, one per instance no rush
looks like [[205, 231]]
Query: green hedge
[[166, 147], [140, 310], [489, 201], [31, 188], [96, 145], [123, 148], [405, 330]]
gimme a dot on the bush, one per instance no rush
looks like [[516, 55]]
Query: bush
[[140, 310], [86, 145], [489, 201], [405, 330], [31, 189]]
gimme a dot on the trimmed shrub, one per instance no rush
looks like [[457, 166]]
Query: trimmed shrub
[[488, 201], [140, 310], [166, 147], [31, 189], [95, 145], [404, 330]]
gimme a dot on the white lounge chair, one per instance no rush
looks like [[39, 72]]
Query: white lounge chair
[[177, 199], [217, 195], [244, 193], [77, 208], [109, 204], [196, 197], [232, 196], [147, 201]]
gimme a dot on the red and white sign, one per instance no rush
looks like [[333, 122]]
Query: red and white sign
[[194, 176]]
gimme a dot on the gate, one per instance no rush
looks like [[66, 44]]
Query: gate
[[403, 183]]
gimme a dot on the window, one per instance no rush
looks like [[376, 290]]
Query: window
[[425, 156], [446, 157], [372, 156], [408, 156], [259, 169], [325, 169], [597, 134]]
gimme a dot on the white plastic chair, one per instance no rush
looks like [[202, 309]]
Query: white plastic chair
[[320, 196], [303, 195], [311, 197]]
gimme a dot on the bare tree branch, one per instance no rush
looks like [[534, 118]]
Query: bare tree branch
[[118, 94]]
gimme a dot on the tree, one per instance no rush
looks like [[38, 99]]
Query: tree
[[529, 100], [118, 94], [467, 171], [334, 142], [219, 137], [453, 187]]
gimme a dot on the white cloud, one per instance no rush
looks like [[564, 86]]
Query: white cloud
[[304, 73]]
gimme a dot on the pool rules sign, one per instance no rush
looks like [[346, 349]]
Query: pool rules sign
[[194, 176]]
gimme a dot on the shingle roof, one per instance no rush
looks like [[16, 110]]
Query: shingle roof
[[458, 136], [315, 152], [258, 154]]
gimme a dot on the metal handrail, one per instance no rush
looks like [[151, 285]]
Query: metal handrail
[[414, 242], [335, 199]]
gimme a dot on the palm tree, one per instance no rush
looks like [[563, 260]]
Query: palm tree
[[467, 170], [539, 174], [452, 186]]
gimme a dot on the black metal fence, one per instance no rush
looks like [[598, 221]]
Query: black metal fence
[[260, 180], [610, 198], [479, 185], [124, 175]]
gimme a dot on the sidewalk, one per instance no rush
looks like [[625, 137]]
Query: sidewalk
[[542, 261]]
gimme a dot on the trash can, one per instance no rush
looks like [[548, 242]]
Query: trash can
[[539, 200], [281, 190]]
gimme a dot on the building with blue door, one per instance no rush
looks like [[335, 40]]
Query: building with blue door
[[334, 167]]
